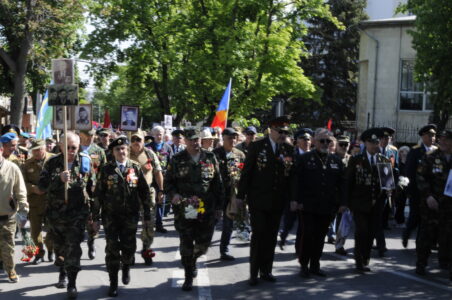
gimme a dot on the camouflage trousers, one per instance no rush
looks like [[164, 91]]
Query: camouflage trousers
[[120, 235], [445, 232], [68, 234], [37, 218], [147, 234], [7, 231], [427, 235], [195, 237], [92, 231]]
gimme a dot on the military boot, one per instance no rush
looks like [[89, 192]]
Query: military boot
[[91, 249], [62, 282], [188, 283], [71, 288], [126, 274], [113, 290]]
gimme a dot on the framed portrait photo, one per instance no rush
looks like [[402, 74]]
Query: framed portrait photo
[[58, 117], [386, 176], [63, 94], [129, 117], [83, 117], [63, 71]]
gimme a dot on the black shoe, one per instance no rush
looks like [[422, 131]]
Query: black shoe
[[341, 251], [38, 260], [126, 274], [227, 257], [72, 292], [161, 229], [113, 290], [91, 249], [188, 283], [331, 240], [71, 288], [50, 256], [317, 272], [304, 272], [253, 281], [405, 242], [362, 269], [62, 282], [268, 277], [281, 245], [420, 271]]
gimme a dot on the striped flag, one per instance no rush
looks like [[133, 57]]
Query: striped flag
[[45, 115], [221, 116]]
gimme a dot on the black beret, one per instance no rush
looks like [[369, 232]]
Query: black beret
[[192, 133], [177, 132], [122, 140], [430, 128], [281, 122], [372, 135]]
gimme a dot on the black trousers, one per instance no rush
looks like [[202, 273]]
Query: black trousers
[[366, 226], [264, 225], [314, 228]]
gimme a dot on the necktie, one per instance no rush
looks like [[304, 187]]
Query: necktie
[[372, 161], [276, 149], [121, 168]]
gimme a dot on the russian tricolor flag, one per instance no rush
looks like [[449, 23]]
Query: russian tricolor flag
[[221, 116]]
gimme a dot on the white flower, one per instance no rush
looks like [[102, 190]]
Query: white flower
[[191, 212]]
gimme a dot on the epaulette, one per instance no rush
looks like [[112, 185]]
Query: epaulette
[[431, 151], [416, 147], [434, 147], [393, 147]]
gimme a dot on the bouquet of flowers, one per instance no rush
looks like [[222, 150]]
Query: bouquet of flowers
[[194, 207], [30, 249]]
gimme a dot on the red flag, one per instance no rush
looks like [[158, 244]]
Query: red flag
[[330, 124], [107, 123]]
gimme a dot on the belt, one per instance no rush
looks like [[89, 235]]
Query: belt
[[4, 218]]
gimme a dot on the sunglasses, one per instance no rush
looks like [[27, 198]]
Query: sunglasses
[[343, 145], [135, 139], [325, 141], [283, 132], [71, 148]]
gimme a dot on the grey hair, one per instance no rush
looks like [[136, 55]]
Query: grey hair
[[157, 128], [404, 148], [71, 136], [322, 131]]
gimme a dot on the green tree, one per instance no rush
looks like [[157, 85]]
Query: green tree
[[432, 40], [181, 54], [332, 65], [32, 32]]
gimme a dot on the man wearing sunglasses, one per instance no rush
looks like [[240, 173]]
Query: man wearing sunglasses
[[152, 169], [365, 197], [250, 136], [318, 196], [67, 218], [265, 184]]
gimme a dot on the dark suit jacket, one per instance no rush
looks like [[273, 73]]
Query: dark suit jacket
[[265, 179], [362, 184], [412, 162]]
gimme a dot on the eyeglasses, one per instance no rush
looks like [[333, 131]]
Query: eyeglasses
[[325, 141], [71, 148], [343, 145], [135, 139]]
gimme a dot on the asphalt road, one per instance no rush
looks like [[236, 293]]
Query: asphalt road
[[392, 277]]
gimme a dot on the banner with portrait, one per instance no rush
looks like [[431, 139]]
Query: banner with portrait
[[386, 176], [129, 117]]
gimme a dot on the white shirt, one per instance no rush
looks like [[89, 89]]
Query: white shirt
[[427, 149], [300, 151], [121, 164], [369, 157]]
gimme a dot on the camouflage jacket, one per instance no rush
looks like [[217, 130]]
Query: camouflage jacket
[[202, 179], [121, 193], [77, 204], [431, 177], [31, 170]]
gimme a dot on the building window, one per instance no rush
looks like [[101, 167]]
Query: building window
[[412, 94]]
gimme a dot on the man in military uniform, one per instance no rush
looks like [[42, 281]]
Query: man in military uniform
[[250, 136], [50, 145], [98, 160], [366, 199], [427, 134], [121, 190], [10, 141], [436, 205], [67, 218], [318, 196], [303, 139], [231, 163], [104, 138], [36, 198], [264, 184], [178, 137], [152, 169], [194, 185]]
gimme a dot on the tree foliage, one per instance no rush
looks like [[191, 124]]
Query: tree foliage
[[332, 65], [32, 32], [181, 54], [432, 40]]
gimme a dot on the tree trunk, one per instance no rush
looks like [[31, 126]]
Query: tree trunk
[[17, 100]]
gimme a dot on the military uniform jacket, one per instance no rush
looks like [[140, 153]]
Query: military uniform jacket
[[242, 147], [77, 205], [231, 166], [319, 182], [265, 179], [202, 179], [362, 184], [412, 162], [122, 193], [164, 154], [432, 175], [31, 170]]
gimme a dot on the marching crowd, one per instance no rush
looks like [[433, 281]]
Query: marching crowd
[[261, 184]]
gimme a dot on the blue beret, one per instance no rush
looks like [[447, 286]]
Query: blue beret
[[25, 135], [8, 137]]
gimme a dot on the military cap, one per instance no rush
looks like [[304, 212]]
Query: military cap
[[430, 128], [192, 133], [50, 140], [445, 133], [139, 133], [103, 131], [36, 144], [306, 133], [372, 135], [343, 139], [121, 140], [91, 132], [11, 128], [250, 129], [281, 123], [177, 133], [8, 137], [229, 131], [205, 134], [387, 131]]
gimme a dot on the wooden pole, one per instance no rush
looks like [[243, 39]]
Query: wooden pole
[[66, 184]]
